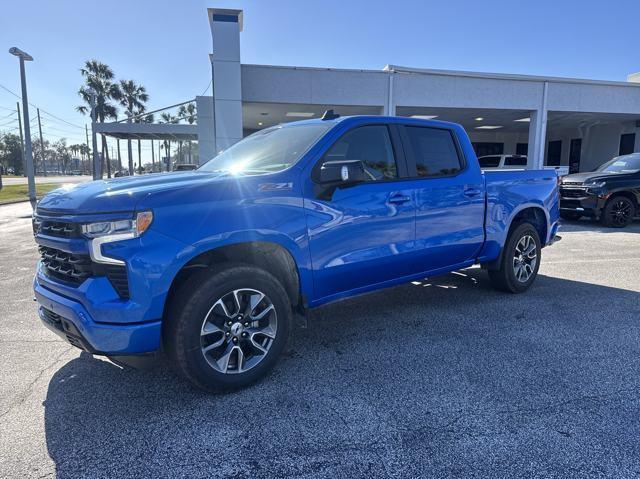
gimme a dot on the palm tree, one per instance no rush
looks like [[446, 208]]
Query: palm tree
[[188, 113], [98, 82], [168, 118], [74, 149], [132, 98], [146, 119], [85, 151]]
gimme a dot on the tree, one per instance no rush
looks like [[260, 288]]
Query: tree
[[62, 154], [188, 113], [142, 119], [99, 82], [76, 150], [133, 98], [11, 153], [44, 153], [85, 151], [168, 118]]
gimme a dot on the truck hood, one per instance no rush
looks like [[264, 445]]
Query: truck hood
[[118, 194], [590, 177]]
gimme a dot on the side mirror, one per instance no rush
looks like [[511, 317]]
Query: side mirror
[[342, 172]]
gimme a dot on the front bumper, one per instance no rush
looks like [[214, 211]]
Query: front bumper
[[71, 320], [580, 201]]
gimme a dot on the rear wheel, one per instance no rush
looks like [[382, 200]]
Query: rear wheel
[[227, 328], [570, 215], [520, 260], [618, 212]]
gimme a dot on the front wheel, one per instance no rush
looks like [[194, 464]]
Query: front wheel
[[520, 260], [618, 212], [227, 328]]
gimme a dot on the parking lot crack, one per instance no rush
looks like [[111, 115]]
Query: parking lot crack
[[28, 390]]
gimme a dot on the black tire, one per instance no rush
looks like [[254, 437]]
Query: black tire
[[504, 278], [618, 212], [570, 215], [198, 300]]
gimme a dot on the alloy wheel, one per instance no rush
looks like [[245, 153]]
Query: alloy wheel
[[238, 331], [525, 258], [620, 212]]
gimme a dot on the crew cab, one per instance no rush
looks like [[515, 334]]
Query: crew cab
[[611, 193], [210, 265]]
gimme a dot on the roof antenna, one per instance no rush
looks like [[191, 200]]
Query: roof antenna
[[330, 115]]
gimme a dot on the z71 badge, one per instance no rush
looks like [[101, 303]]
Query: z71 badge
[[275, 186]]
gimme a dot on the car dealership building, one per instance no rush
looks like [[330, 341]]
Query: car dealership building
[[555, 121]]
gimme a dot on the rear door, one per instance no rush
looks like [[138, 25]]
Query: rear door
[[449, 198], [364, 234]]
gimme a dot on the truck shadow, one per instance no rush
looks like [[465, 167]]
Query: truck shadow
[[372, 380]]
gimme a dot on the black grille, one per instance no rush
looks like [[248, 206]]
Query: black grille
[[60, 229], [73, 269], [67, 267], [117, 275], [573, 193]]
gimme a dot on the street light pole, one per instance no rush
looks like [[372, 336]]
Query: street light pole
[[44, 163], [22, 157], [23, 56]]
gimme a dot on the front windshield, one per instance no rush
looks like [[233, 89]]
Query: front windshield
[[622, 164], [268, 151]]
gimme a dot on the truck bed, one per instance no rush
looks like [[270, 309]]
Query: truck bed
[[511, 191]]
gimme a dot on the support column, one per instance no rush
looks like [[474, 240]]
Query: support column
[[206, 129], [226, 26], [538, 133], [390, 106]]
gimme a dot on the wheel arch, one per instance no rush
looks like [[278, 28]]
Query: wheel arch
[[268, 255], [627, 194], [530, 213], [536, 215]]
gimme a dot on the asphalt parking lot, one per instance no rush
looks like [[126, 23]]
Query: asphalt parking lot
[[441, 378]]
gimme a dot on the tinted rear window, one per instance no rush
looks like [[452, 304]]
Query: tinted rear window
[[434, 150]]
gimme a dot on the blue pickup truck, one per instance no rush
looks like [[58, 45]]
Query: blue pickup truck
[[210, 266]]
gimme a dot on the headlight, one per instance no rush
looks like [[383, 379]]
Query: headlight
[[130, 227], [596, 184]]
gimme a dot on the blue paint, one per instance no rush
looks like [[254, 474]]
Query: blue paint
[[366, 237]]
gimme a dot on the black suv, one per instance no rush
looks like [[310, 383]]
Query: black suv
[[610, 193]]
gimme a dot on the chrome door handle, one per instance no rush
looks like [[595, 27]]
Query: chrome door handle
[[399, 199]]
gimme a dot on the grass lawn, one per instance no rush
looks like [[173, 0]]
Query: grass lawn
[[11, 193]]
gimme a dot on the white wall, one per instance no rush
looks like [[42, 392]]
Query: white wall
[[600, 143]]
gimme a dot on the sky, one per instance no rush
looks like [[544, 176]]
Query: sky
[[164, 44]]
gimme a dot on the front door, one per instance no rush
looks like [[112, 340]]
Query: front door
[[363, 235]]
